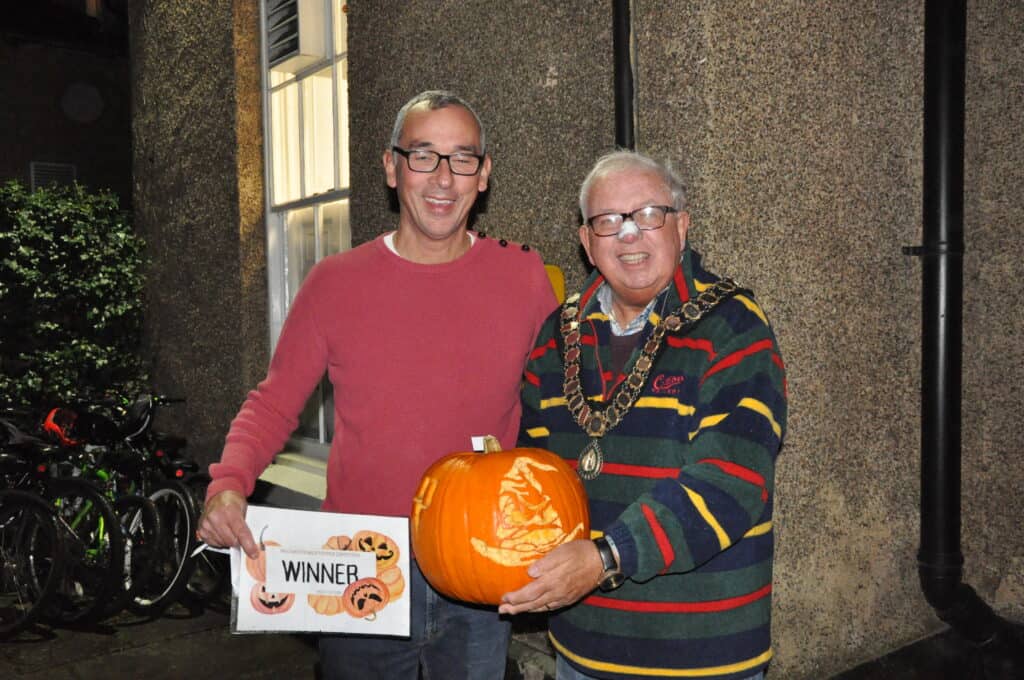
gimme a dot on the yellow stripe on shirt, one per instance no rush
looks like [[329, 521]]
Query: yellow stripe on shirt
[[554, 402], [662, 672], [759, 530], [752, 306], [760, 407], [702, 508], [754, 405], [666, 402]]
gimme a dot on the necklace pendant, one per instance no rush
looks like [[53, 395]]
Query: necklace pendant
[[591, 460]]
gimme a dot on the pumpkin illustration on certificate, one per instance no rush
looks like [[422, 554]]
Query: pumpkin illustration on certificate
[[323, 572]]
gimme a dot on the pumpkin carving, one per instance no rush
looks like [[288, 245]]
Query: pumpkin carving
[[480, 519], [264, 602], [383, 547], [365, 597]]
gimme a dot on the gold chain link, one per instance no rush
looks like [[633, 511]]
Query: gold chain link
[[597, 422]]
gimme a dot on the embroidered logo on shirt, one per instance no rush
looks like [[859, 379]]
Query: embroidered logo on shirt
[[667, 384]]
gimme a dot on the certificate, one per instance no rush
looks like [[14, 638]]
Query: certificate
[[322, 572]]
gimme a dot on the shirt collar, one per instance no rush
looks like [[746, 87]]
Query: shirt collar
[[604, 299]]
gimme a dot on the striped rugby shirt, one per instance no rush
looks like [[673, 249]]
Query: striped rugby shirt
[[685, 493]]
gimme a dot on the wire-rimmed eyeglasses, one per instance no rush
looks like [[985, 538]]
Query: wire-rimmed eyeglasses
[[647, 218], [425, 160]]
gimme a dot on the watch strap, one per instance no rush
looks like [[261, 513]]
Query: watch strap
[[611, 576]]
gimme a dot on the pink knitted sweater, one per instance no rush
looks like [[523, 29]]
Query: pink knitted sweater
[[421, 358]]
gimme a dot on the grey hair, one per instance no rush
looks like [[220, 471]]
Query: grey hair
[[436, 99], [624, 160]]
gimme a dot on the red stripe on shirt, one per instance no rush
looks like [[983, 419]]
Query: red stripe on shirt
[[660, 537], [680, 281], [778, 361], [679, 607], [693, 343], [738, 356], [648, 471], [741, 472], [540, 351], [585, 297], [531, 378]]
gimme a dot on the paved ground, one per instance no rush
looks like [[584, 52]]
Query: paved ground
[[196, 644], [183, 644]]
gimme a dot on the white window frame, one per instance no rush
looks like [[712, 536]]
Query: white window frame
[[280, 293]]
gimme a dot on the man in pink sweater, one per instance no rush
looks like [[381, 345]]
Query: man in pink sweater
[[423, 333]]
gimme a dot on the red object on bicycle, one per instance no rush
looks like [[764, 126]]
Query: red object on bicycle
[[60, 422]]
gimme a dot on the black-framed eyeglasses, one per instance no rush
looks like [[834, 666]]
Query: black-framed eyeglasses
[[425, 160], [647, 218]]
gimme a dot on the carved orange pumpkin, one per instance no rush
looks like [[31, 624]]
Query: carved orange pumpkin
[[365, 597], [480, 519], [383, 547], [264, 602]]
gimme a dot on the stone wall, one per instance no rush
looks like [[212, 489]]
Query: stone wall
[[198, 163]]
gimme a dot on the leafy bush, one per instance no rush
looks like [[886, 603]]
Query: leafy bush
[[71, 278]]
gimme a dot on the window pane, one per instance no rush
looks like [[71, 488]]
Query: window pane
[[278, 77], [300, 233], [342, 68], [318, 132], [336, 233], [340, 26], [284, 149]]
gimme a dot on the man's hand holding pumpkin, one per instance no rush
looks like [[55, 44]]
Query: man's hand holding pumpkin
[[564, 576], [223, 523]]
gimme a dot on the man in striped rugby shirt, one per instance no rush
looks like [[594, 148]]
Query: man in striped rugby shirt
[[663, 385]]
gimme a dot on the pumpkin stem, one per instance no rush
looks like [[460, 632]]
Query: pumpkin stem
[[491, 444], [262, 531]]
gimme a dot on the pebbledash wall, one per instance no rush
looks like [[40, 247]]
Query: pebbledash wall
[[798, 128]]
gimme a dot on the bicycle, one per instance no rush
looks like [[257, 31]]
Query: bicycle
[[149, 465], [89, 528], [31, 560]]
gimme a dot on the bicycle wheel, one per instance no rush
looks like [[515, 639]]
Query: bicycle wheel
[[31, 559], [212, 570], [172, 563], [143, 531], [95, 551]]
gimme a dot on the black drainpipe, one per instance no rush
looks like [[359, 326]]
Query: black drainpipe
[[940, 561], [622, 44]]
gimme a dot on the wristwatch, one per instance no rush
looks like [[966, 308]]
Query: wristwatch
[[611, 577]]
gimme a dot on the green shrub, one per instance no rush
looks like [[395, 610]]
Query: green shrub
[[71, 278]]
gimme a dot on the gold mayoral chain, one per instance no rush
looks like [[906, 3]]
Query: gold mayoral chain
[[595, 421]]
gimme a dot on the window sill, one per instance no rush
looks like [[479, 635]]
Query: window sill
[[298, 473]]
